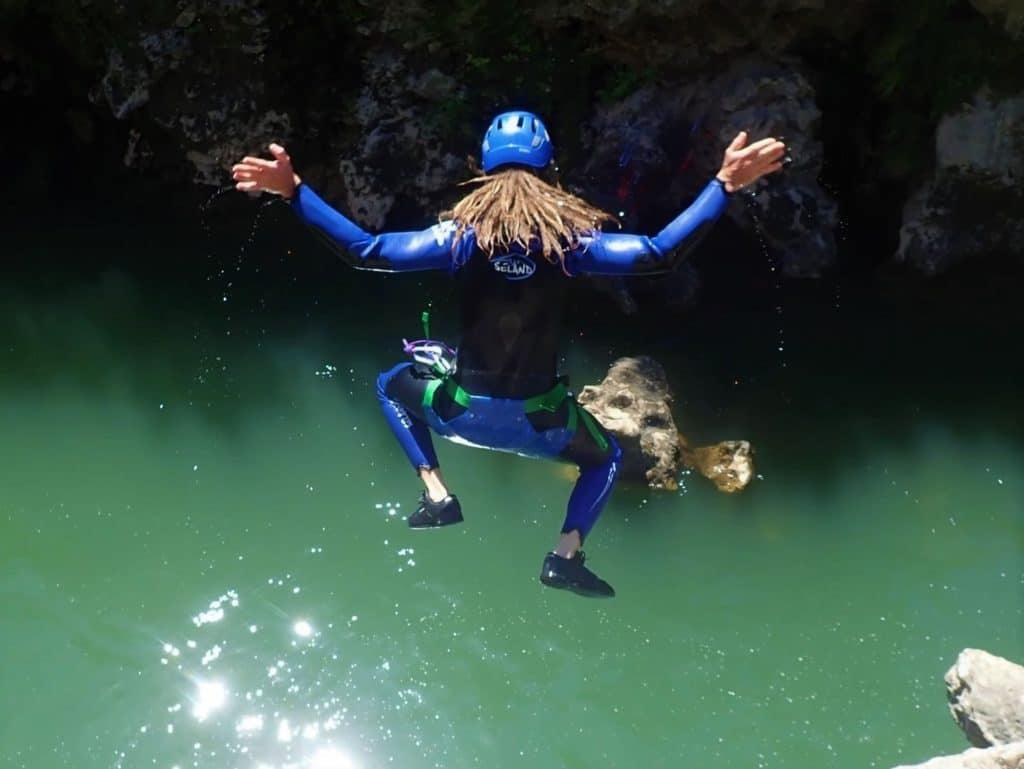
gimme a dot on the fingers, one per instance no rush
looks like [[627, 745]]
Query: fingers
[[760, 147], [275, 176], [756, 158], [756, 171], [738, 142], [772, 152], [251, 161]]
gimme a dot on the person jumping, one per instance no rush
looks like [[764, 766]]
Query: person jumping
[[515, 241]]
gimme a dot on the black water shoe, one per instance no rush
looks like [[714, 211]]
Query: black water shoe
[[432, 514], [571, 574]]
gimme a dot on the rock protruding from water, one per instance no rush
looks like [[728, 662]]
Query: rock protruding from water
[[1003, 757], [986, 697], [729, 464], [633, 403]]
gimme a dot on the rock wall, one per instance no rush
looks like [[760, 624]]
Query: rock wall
[[664, 142], [1007, 13], [973, 204], [194, 75], [385, 101]]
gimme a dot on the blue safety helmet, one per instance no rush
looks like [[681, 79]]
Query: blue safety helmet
[[516, 137]]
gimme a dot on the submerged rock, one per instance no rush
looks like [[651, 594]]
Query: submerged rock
[[633, 403], [986, 697]]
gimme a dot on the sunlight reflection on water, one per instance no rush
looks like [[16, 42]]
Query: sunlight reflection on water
[[228, 702]]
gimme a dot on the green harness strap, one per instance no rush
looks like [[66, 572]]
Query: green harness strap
[[592, 427], [428, 394], [548, 401], [456, 393]]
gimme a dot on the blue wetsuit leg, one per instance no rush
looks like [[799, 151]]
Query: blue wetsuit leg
[[589, 496], [400, 392], [598, 470], [543, 435]]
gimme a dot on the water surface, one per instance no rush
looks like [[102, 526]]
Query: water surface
[[204, 563]]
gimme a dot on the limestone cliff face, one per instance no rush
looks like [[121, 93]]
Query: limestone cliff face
[[667, 140], [382, 102], [972, 205], [1007, 13]]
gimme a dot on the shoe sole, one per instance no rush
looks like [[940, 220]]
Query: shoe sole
[[435, 524], [572, 588]]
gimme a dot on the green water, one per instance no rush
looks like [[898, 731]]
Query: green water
[[203, 561]]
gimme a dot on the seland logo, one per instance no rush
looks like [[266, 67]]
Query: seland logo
[[514, 266]]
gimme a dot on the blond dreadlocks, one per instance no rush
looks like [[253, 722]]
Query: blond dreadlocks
[[515, 207]]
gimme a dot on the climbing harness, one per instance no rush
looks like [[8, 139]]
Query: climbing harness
[[435, 354]]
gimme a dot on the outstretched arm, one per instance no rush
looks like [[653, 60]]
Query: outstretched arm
[[624, 254], [389, 252]]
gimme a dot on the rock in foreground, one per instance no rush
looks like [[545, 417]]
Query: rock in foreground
[[986, 697], [1003, 757]]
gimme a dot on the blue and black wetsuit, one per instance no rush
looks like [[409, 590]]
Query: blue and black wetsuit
[[506, 393]]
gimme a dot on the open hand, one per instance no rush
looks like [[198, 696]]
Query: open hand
[[743, 165], [275, 176]]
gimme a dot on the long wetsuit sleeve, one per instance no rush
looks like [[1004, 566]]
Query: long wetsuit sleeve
[[625, 254], [429, 249]]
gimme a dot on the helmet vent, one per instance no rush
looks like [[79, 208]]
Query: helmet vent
[[516, 137]]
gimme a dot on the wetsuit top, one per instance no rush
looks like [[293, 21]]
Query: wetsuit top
[[511, 303]]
